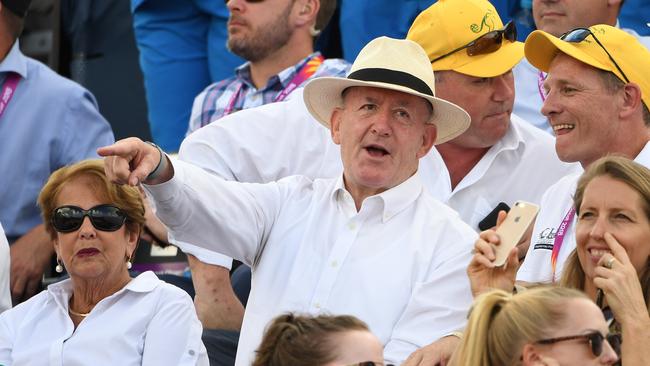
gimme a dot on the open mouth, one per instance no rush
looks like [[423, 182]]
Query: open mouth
[[563, 128], [376, 151], [597, 253]]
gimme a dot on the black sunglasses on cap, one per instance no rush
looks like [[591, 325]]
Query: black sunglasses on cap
[[578, 35], [67, 219], [595, 340], [487, 43]]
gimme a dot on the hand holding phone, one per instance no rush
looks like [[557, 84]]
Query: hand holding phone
[[513, 228]]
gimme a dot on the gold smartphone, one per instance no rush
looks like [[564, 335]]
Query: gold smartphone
[[513, 228]]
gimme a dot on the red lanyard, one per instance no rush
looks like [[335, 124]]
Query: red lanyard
[[8, 89], [540, 85], [305, 72], [559, 238]]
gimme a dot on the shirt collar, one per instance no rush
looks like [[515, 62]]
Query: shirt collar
[[644, 156], [15, 61], [243, 73], [395, 200], [62, 291]]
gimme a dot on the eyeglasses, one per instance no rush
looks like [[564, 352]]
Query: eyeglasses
[[578, 35], [67, 219], [487, 43], [370, 363], [595, 340]]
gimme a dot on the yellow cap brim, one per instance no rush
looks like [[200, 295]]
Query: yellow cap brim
[[541, 48], [483, 66]]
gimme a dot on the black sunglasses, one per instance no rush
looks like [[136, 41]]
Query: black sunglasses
[[487, 43], [67, 219], [595, 340], [578, 35]]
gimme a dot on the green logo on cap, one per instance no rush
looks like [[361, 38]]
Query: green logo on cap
[[488, 21]]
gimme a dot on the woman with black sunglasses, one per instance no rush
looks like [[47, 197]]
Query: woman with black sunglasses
[[545, 326], [100, 315]]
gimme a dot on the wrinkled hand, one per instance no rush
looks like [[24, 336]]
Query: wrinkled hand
[[483, 274], [129, 161], [30, 256], [437, 353], [620, 284]]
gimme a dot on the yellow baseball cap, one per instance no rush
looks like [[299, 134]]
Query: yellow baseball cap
[[450, 24], [630, 55]]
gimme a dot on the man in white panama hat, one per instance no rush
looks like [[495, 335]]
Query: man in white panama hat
[[371, 242]]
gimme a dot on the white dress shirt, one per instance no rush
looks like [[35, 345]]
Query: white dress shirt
[[5, 292], [556, 202], [148, 322], [276, 140], [398, 264], [528, 98]]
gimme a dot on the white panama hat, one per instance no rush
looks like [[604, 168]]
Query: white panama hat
[[394, 64]]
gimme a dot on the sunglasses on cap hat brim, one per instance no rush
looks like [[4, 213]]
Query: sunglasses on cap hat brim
[[578, 35], [487, 43]]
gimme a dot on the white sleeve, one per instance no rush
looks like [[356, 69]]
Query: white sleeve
[[438, 306], [264, 144], [231, 218], [174, 333], [5, 293]]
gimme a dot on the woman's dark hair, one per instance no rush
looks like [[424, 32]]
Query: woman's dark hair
[[301, 340]]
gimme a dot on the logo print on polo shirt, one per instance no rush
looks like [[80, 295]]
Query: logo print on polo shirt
[[487, 21], [545, 239]]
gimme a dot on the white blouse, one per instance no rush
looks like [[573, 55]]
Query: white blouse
[[148, 322]]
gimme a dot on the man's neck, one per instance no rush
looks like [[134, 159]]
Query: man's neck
[[460, 160], [289, 55], [5, 45], [630, 150]]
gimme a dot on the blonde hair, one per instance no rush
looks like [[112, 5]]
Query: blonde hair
[[303, 340], [635, 176], [500, 324], [125, 197]]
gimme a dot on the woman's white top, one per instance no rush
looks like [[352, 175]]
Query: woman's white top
[[5, 294], [148, 322]]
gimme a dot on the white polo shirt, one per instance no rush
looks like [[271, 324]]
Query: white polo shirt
[[148, 322], [555, 204], [398, 264], [5, 292], [280, 139]]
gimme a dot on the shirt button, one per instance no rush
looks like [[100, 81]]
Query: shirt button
[[335, 263], [191, 352], [317, 305], [352, 226]]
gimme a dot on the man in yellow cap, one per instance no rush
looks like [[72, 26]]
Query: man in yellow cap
[[598, 95], [557, 17]]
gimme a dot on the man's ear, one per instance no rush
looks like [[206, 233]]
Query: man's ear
[[335, 125], [306, 12], [428, 139], [631, 100]]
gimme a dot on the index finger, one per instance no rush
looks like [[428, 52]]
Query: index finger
[[617, 249]]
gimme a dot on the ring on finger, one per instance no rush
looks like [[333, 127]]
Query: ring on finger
[[610, 262]]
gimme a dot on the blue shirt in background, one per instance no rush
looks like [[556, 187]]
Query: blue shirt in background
[[50, 122]]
